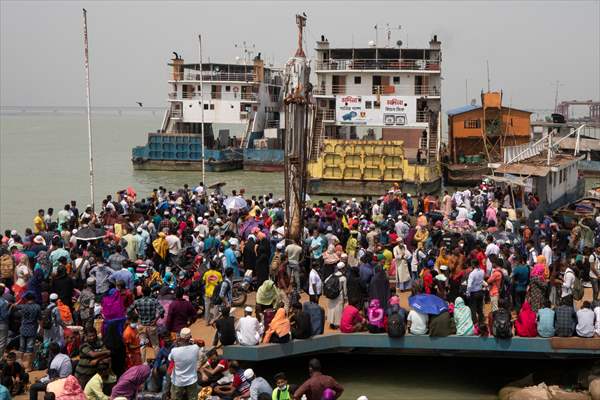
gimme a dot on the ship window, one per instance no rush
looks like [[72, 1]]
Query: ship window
[[199, 88], [472, 124], [227, 88], [212, 106], [206, 106], [396, 80], [368, 105], [357, 80], [376, 104]]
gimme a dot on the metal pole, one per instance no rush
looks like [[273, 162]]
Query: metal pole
[[89, 106], [549, 148], [202, 113]]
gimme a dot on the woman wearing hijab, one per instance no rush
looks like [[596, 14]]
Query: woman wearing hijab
[[114, 342], [43, 263], [266, 296], [22, 276], [356, 293], [66, 389], [249, 253], [161, 249], [263, 254], [375, 316], [462, 318], [113, 310], [169, 279], [536, 292], [379, 288], [35, 285], [526, 325], [330, 260], [540, 268], [129, 383], [279, 328]]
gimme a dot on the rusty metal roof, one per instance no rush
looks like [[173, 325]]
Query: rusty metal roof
[[537, 165]]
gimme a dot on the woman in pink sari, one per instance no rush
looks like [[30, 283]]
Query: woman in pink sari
[[526, 325]]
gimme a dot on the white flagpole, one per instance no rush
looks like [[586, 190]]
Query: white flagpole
[[89, 107], [202, 113]]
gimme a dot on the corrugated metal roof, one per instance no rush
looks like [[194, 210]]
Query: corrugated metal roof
[[463, 109]]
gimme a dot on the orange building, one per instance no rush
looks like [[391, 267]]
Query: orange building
[[478, 134]]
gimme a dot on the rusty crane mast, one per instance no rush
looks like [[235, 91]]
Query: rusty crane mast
[[298, 121]]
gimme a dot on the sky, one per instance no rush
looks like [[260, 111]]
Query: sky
[[529, 45]]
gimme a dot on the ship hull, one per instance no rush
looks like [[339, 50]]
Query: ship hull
[[168, 165], [367, 188], [263, 166], [263, 160], [465, 174]]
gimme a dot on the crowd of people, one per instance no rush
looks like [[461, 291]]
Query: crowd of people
[[107, 302]]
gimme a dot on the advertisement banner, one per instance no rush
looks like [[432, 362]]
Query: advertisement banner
[[376, 110]]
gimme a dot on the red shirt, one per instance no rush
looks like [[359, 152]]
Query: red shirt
[[350, 317]]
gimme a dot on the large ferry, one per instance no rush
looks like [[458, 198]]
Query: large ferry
[[237, 104], [377, 120]]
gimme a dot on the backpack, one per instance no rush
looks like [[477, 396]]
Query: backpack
[[577, 290], [395, 327], [505, 287], [6, 267], [502, 324], [216, 298], [48, 317], [331, 289]]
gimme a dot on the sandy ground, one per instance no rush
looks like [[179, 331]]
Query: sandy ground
[[207, 333]]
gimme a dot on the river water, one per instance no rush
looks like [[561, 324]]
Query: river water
[[44, 162]]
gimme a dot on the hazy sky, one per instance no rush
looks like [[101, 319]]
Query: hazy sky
[[529, 45]]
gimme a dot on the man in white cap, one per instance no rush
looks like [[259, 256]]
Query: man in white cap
[[258, 385], [248, 329], [185, 359]]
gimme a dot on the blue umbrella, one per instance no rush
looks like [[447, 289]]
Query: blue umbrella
[[428, 304]]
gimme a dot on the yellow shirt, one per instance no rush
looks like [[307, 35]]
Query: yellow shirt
[[38, 224], [211, 279]]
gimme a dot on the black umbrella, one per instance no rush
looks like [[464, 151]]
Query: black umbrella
[[89, 233]]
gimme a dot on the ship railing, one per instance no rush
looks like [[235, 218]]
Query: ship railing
[[272, 123], [219, 76], [385, 90], [249, 96], [184, 95], [422, 116], [378, 64]]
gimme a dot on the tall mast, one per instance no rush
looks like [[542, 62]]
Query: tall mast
[[89, 106], [297, 135], [202, 111]]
